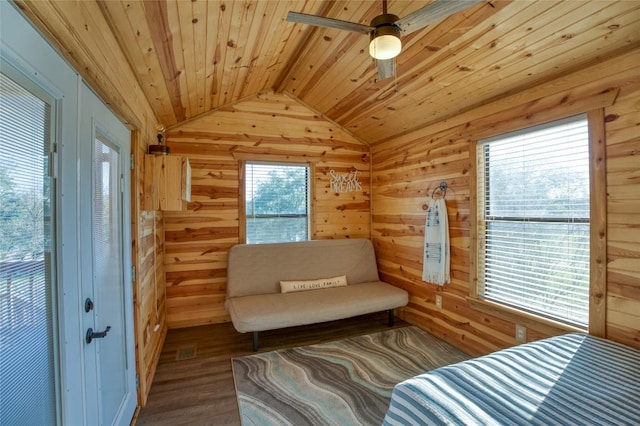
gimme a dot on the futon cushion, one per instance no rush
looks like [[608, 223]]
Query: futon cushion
[[259, 268], [272, 311]]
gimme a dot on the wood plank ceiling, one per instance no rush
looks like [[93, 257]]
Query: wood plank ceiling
[[192, 57]]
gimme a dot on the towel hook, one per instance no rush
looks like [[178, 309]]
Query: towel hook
[[442, 187]]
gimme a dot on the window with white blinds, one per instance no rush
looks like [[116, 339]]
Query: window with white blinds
[[533, 220], [277, 202], [28, 368]]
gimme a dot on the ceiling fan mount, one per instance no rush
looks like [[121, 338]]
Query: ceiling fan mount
[[385, 30], [385, 19]]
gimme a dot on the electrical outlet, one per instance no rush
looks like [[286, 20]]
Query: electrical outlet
[[521, 333], [439, 302]]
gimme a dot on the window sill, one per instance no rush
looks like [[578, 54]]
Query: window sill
[[541, 324]]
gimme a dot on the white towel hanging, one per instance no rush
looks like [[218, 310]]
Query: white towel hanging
[[436, 264]]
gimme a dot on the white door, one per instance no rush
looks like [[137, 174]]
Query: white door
[[28, 207], [105, 263]]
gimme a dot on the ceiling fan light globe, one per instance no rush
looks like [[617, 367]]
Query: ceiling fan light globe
[[386, 46], [385, 38]]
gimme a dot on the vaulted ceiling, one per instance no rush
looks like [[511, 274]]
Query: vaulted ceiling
[[191, 57]]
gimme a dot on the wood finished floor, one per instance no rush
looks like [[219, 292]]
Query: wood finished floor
[[200, 390]]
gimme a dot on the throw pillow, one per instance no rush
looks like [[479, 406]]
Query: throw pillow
[[302, 285]]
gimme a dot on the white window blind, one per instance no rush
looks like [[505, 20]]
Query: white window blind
[[27, 337], [533, 195], [277, 202]]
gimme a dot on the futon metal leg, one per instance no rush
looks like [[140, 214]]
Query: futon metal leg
[[391, 317], [255, 341]]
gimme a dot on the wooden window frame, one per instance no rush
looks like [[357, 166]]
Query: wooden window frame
[[598, 231]]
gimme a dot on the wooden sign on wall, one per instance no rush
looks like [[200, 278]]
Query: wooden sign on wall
[[344, 182]]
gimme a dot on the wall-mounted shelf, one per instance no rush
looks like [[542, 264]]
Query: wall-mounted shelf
[[167, 182]]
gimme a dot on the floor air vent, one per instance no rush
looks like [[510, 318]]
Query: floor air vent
[[186, 352]]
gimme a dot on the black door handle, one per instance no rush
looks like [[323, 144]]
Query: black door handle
[[96, 335]]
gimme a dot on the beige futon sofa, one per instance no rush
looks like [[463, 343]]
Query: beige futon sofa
[[256, 302]]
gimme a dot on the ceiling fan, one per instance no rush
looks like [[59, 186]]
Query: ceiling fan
[[385, 30]]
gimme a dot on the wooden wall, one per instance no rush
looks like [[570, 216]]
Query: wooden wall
[[267, 126], [83, 37], [406, 169]]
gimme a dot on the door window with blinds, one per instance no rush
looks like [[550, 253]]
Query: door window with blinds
[[277, 202], [28, 367], [533, 220]]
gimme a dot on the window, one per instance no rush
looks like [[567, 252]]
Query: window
[[27, 285], [533, 220], [277, 202]]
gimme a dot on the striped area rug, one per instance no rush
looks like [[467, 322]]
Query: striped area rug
[[347, 382]]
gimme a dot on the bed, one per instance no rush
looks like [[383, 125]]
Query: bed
[[573, 379]]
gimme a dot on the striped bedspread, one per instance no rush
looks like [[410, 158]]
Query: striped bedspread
[[572, 379]]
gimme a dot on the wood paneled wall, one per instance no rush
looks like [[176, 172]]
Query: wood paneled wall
[[150, 296], [406, 169], [267, 126]]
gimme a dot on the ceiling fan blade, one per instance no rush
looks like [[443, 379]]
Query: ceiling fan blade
[[321, 21], [431, 13], [386, 68]]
